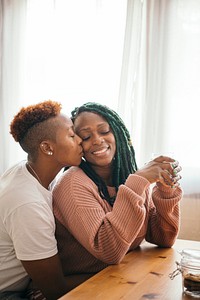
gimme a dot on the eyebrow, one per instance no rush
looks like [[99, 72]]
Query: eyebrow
[[70, 128], [88, 128]]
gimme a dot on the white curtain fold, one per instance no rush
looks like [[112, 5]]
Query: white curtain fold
[[68, 51], [74, 51], [131, 63], [142, 76], [12, 50], [159, 94]]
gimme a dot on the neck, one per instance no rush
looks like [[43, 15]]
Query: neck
[[105, 173], [33, 172], [42, 172]]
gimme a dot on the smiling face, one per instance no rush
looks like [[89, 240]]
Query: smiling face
[[98, 140]]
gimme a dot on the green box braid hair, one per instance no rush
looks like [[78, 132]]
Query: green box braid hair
[[124, 162]]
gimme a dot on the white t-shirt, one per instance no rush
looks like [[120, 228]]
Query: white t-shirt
[[27, 227]]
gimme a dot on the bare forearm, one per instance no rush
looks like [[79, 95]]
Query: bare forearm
[[47, 276]]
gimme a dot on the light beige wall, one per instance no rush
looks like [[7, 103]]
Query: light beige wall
[[190, 217]]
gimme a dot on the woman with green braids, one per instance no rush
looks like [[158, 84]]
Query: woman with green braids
[[106, 207]]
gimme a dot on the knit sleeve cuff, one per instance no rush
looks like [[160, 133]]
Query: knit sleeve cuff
[[167, 192], [137, 183]]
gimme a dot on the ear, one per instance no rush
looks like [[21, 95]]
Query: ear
[[46, 147]]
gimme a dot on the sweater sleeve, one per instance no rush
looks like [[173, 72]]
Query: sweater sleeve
[[164, 215], [105, 232]]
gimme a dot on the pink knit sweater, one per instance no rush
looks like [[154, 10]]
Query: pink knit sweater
[[91, 234]]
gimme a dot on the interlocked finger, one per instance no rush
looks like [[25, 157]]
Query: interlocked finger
[[174, 164], [172, 168], [167, 178], [167, 166], [176, 170], [176, 179]]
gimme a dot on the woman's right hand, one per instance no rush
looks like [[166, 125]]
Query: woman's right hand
[[162, 169]]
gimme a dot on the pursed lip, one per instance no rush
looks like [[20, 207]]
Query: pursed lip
[[81, 152]]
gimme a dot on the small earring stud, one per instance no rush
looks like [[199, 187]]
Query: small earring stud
[[50, 153]]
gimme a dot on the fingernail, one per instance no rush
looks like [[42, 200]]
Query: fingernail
[[174, 165]]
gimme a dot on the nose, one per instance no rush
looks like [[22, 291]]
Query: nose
[[97, 140]]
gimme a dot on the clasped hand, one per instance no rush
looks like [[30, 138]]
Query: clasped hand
[[162, 169]]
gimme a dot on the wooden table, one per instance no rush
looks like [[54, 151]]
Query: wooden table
[[143, 274]]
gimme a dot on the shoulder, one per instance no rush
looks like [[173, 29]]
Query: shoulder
[[13, 170], [73, 184], [18, 189], [73, 171], [72, 177]]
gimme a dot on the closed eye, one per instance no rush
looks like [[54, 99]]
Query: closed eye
[[105, 132], [71, 133], [100, 133], [85, 138]]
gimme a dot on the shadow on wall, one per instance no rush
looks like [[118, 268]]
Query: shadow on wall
[[190, 217]]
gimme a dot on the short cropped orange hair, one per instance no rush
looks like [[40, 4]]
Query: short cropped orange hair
[[30, 116]]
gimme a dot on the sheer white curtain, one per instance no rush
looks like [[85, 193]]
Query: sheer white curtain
[[159, 82], [12, 51], [68, 51], [71, 51]]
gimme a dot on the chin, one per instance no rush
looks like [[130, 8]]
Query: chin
[[105, 163]]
